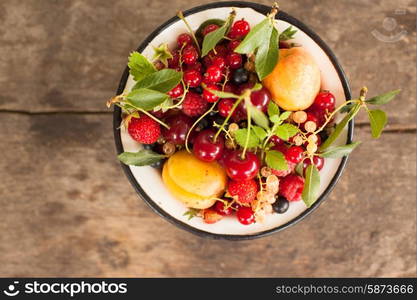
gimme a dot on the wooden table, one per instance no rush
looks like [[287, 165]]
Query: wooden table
[[68, 210]]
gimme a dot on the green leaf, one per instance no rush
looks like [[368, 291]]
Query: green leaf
[[146, 99], [287, 34], [285, 131], [221, 94], [139, 66], [275, 119], [276, 160], [240, 136], [383, 99], [191, 213], [346, 108], [378, 120], [162, 53], [213, 38], [162, 81], [339, 151], [257, 115], [255, 38], [140, 158], [260, 132], [273, 109], [267, 54], [339, 127], [311, 185], [299, 169], [285, 115], [218, 22]]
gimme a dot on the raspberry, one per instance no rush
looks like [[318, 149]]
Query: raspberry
[[283, 173], [245, 190], [144, 129], [291, 187], [194, 105]]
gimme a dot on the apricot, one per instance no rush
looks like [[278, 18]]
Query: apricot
[[295, 80], [194, 182]]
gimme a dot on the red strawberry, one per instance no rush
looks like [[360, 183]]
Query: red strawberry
[[194, 105], [144, 129], [291, 187], [210, 216], [245, 191]]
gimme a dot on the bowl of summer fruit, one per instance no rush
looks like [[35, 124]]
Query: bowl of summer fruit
[[234, 120]]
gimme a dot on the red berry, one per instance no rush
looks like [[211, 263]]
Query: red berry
[[283, 173], [179, 125], [210, 216], [325, 100], [260, 99], [318, 161], [316, 115], [221, 209], [239, 29], [184, 38], [209, 28], [234, 60], [241, 169], [294, 154], [205, 148], [196, 67], [219, 61], [225, 107], [194, 105], [213, 74], [189, 55], [174, 62], [177, 91], [144, 130], [229, 88], [244, 191], [276, 140], [291, 187], [221, 50], [208, 96], [245, 215], [192, 78], [233, 45]]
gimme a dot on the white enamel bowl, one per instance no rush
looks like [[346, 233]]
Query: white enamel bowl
[[147, 180]]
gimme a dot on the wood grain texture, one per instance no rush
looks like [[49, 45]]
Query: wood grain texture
[[68, 210], [69, 54]]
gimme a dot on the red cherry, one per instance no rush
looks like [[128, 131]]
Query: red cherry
[[311, 116], [192, 78], [179, 125], [174, 62], [325, 100], [233, 45], [176, 92], [213, 74], [239, 29], [205, 148], [260, 99], [219, 61], [220, 50], [229, 88], [276, 140], [294, 154], [241, 169], [317, 160], [220, 208], [209, 28], [316, 115], [241, 88], [225, 107], [234, 60], [245, 215], [189, 55], [184, 38], [208, 96], [281, 148]]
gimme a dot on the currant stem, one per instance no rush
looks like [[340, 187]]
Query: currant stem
[[195, 123], [181, 16]]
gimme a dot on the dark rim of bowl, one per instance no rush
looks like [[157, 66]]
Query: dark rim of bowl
[[264, 10]]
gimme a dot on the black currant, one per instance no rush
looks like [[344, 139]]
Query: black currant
[[281, 205], [240, 76]]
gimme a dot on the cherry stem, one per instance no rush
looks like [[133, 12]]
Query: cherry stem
[[227, 118], [152, 117], [248, 129], [195, 124], [181, 16]]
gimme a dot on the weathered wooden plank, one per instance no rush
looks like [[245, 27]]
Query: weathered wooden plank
[[69, 55], [68, 210]]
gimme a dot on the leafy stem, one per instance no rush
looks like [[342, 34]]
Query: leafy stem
[[181, 16]]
